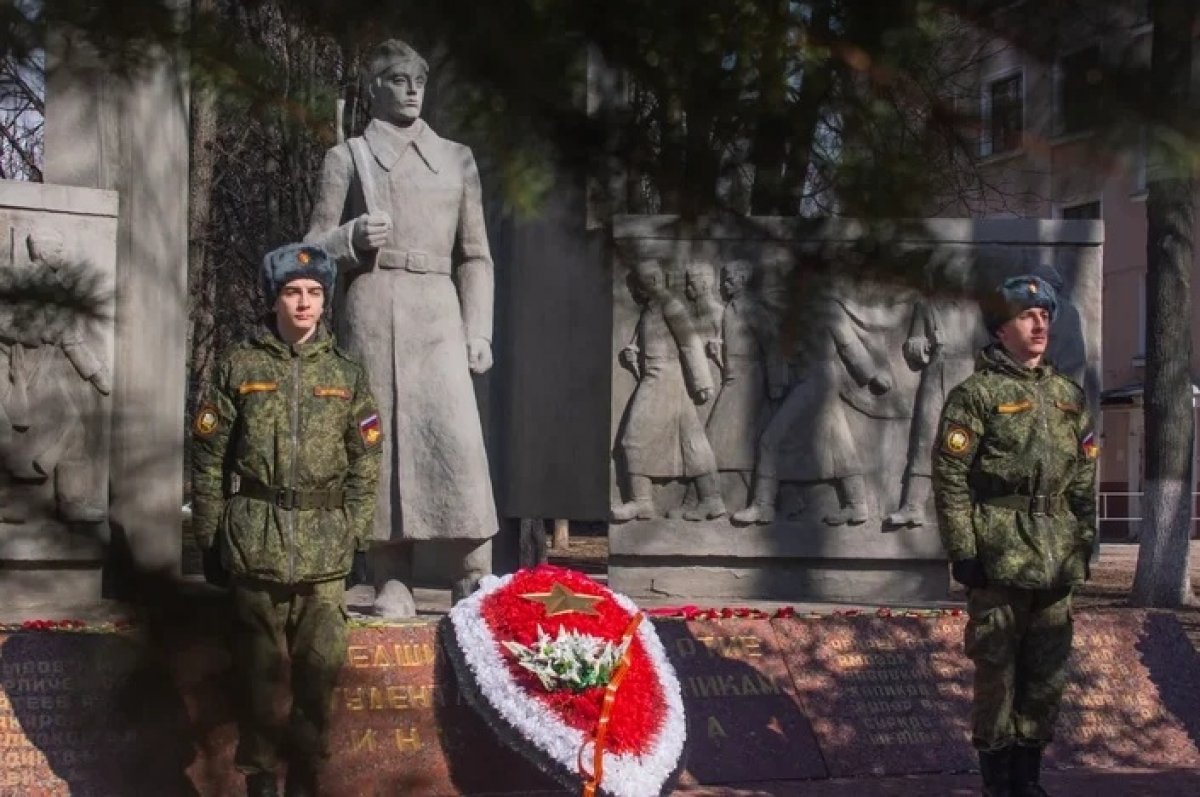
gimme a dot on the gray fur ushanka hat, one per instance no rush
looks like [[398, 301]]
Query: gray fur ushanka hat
[[297, 261]]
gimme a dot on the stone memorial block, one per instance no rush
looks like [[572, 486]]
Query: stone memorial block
[[885, 696], [776, 387], [57, 274], [1132, 696], [891, 696], [744, 720]]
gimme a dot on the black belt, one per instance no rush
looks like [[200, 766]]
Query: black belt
[[1033, 504], [288, 498]]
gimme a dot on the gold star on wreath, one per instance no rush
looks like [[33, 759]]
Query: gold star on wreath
[[560, 600]]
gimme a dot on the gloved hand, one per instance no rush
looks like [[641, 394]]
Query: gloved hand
[[214, 569], [969, 573], [358, 570]]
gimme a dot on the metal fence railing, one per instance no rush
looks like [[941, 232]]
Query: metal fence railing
[[1125, 508]]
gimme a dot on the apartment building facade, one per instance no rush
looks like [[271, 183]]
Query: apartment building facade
[[1051, 147]]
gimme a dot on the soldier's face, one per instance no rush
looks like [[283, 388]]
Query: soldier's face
[[652, 280], [298, 309], [398, 94], [1026, 336], [696, 286]]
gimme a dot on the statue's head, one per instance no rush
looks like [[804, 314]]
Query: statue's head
[[735, 276], [651, 277], [698, 278], [394, 81]]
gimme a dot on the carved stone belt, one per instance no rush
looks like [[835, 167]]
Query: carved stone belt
[[415, 262], [1033, 504], [288, 498]]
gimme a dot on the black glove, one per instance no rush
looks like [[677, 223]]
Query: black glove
[[969, 573], [214, 569], [358, 570]]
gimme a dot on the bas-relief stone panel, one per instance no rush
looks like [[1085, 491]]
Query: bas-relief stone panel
[[748, 392], [58, 259]]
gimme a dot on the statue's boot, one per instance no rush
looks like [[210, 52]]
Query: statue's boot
[[854, 512], [476, 563], [641, 506], [710, 504], [912, 512], [762, 507]]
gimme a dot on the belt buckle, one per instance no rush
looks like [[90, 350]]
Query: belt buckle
[[417, 262], [1038, 504], [285, 498]]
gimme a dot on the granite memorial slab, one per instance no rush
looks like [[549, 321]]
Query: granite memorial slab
[[891, 696], [767, 701], [744, 721]]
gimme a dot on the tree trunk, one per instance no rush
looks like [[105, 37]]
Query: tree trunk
[[200, 182], [1162, 569]]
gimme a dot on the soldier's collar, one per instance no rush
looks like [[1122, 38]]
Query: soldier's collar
[[388, 142]]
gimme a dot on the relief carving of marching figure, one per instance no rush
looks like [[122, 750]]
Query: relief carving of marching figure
[[751, 370], [814, 413], [943, 337], [663, 437]]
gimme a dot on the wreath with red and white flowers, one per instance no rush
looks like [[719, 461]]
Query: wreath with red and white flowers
[[572, 676]]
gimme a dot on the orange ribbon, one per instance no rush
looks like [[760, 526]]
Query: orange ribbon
[[610, 697]]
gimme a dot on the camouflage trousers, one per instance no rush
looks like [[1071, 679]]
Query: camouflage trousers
[[1019, 640], [285, 634]]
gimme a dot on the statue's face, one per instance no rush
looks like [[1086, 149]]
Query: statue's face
[[733, 281], [696, 285], [652, 279], [398, 93]]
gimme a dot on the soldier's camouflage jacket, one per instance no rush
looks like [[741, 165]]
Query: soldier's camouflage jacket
[[1009, 432], [286, 416]]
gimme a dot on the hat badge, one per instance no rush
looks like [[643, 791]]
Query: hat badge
[[302, 257], [1033, 287]]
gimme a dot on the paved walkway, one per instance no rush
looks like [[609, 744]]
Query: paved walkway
[[1073, 783]]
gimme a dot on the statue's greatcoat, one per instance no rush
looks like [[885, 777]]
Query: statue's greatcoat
[[406, 311]]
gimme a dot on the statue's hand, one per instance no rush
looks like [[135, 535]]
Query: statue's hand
[[101, 381], [479, 355], [880, 384], [916, 352], [371, 231]]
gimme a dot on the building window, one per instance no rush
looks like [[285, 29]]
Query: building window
[[1086, 210], [1003, 115], [1080, 76]]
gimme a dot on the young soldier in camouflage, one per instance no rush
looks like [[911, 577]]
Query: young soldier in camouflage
[[285, 466], [1013, 471]]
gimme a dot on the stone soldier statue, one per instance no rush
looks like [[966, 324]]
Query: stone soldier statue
[[1014, 478], [663, 437], [753, 370], [943, 337], [286, 448], [401, 211], [814, 412]]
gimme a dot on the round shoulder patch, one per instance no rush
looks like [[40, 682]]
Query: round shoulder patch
[[956, 440], [207, 420]]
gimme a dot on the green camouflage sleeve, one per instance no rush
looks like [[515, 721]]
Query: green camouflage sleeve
[[211, 430], [959, 431], [1081, 490], [364, 446]]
